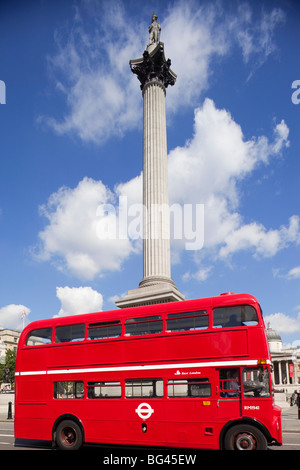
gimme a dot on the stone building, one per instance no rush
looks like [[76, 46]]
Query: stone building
[[8, 340], [286, 363]]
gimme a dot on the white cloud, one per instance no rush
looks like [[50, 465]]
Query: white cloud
[[78, 300], [71, 238], [192, 35], [200, 275], [294, 273], [256, 38], [264, 242], [132, 189], [11, 316], [208, 170], [91, 71], [113, 299], [283, 323], [217, 156]]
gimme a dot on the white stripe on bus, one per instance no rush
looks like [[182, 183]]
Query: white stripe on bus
[[183, 365]]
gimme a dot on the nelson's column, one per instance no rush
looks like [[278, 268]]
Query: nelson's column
[[155, 75]]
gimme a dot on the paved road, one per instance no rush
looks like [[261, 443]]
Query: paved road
[[6, 435], [291, 439], [290, 426]]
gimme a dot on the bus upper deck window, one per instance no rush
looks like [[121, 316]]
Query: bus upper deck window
[[103, 330], [39, 337], [143, 325], [234, 316], [187, 321], [64, 334]]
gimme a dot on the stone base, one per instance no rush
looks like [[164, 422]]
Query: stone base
[[149, 295]]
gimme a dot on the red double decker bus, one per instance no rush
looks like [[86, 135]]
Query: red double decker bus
[[191, 374]]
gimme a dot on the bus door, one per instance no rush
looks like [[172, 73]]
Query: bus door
[[189, 409], [229, 393], [144, 411], [256, 391]]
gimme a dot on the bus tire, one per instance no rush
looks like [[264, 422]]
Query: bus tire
[[245, 437], [69, 435]]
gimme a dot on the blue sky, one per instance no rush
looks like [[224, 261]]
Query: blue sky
[[71, 141]]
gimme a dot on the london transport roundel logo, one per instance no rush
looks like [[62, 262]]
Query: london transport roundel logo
[[144, 410]]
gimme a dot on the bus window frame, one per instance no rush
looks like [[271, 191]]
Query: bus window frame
[[141, 382], [103, 325], [163, 318], [253, 385], [72, 341], [30, 334], [57, 383], [149, 319], [173, 384], [101, 384], [219, 326]]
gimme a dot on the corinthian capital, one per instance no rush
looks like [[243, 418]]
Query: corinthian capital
[[153, 66]]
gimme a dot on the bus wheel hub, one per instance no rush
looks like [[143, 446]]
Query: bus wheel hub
[[68, 436], [245, 441]]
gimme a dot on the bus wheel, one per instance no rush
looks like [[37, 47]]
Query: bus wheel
[[68, 435], [245, 437]]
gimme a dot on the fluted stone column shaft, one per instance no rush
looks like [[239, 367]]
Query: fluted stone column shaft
[[155, 75], [156, 249]]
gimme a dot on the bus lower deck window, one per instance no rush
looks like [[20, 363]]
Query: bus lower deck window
[[190, 388], [104, 390], [150, 388], [68, 389]]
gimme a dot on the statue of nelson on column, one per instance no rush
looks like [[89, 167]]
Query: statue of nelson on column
[[154, 30]]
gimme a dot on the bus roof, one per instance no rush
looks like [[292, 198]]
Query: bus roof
[[155, 309]]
